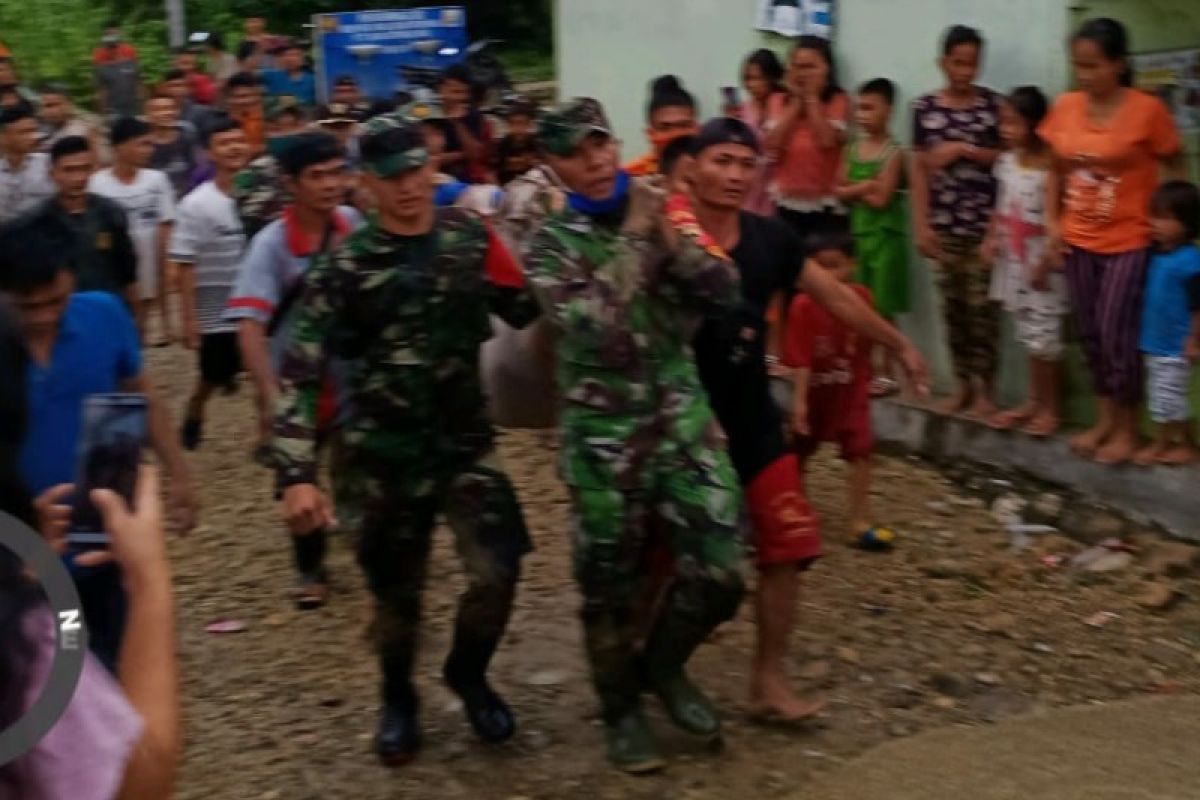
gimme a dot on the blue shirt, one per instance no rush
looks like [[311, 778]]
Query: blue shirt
[[303, 87], [1167, 321], [96, 350]]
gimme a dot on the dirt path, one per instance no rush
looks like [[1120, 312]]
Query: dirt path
[[951, 629]]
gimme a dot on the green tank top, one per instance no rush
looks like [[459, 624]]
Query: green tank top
[[865, 220]]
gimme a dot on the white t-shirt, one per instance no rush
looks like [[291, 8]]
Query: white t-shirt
[[149, 201], [208, 235], [26, 187]]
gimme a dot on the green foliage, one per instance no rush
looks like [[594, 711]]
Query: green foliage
[[52, 40]]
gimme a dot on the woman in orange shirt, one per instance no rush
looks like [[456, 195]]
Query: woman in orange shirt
[[808, 140], [1112, 145]]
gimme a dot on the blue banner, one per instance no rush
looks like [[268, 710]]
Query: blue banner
[[372, 46]]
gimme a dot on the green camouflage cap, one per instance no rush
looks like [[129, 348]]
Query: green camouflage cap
[[276, 107], [392, 144], [563, 128]]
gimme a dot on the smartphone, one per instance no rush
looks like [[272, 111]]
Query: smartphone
[[111, 441], [730, 98]]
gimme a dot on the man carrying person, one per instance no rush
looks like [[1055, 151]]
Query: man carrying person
[[626, 280], [406, 301], [118, 79], [267, 284], [149, 203], [731, 353], [104, 256], [80, 344], [206, 246], [24, 173]]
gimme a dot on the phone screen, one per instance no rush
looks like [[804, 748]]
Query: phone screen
[[110, 449], [729, 97]]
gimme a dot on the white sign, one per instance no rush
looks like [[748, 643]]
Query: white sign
[[796, 17]]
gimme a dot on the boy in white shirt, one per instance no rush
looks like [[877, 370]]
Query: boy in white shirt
[[149, 203]]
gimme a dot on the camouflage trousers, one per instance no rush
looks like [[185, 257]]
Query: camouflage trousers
[[972, 319], [394, 513], [690, 501]]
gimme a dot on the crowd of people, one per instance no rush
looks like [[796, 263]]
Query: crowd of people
[[353, 258]]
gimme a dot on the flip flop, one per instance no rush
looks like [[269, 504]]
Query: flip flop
[[1044, 430], [1007, 420], [876, 539]]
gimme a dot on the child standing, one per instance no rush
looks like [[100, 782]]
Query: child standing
[[1023, 281], [870, 185], [1171, 324], [831, 397], [517, 152]]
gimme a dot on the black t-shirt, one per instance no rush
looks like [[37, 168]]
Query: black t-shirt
[[104, 258], [731, 350]]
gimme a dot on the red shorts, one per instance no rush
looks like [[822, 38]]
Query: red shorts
[[786, 528], [831, 419]]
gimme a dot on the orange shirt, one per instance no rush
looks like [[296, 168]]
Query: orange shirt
[[1112, 169], [254, 127], [642, 166], [111, 55], [805, 171]]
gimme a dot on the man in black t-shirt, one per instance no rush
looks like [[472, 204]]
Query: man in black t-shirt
[[732, 358], [103, 254]]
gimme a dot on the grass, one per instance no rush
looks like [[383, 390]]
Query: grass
[[526, 64]]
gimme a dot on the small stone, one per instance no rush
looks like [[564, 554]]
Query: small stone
[[945, 568], [1172, 559], [999, 624], [1092, 525], [1158, 597], [1042, 647], [940, 508], [1110, 562], [950, 684], [945, 703], [548, 677], [1009, 509], [1046, 508], [899, 730], [332, 702], [849, 655], [816, 670], [988, 678], [998, 703]]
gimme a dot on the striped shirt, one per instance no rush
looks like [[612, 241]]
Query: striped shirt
[[208, 236]]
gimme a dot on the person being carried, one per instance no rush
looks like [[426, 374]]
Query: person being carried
[[1023, 280], [871, 176], [406, 301], [670, 114], [206, 249], [268, 285], [1170, 338], [625, 281]]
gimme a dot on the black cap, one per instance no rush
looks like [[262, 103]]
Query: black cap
[[726, 130]]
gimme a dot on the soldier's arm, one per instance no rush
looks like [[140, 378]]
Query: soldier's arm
[[696, 264], [300, 374]]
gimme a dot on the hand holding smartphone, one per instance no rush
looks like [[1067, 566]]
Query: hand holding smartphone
[[731, 102], [112, 438]]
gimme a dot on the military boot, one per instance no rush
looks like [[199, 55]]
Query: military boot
[[632, 747]]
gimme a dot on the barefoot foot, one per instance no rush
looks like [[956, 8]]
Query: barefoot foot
[[1179, 456], [1119, 449]]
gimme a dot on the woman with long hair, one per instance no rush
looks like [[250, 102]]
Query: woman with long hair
[[1112, 146], [762, 78]]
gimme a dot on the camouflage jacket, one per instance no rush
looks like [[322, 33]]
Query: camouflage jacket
[[528, 201], [627, 308], [408, 314], [259, 194]]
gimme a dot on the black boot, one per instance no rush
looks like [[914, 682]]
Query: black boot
[[399, 736], [489, 715]]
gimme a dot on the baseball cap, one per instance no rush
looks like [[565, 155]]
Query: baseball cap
[[725, 130], [422, 110], [564, 127], [392, 144]]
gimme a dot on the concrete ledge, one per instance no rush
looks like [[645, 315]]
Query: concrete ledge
[[1164, 496]]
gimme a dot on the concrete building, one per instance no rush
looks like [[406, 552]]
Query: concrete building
[[610, 49]]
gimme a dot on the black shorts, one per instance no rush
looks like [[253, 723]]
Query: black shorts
[[220, 359]]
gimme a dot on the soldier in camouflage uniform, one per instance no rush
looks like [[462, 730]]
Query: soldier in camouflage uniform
[[405, 303], [625, 278]]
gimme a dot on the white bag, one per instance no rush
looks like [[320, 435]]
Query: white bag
[[517, 368]]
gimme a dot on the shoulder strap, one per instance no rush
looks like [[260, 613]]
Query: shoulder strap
[[296, 289]]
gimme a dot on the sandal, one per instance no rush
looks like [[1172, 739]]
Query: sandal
[[876, 539]]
